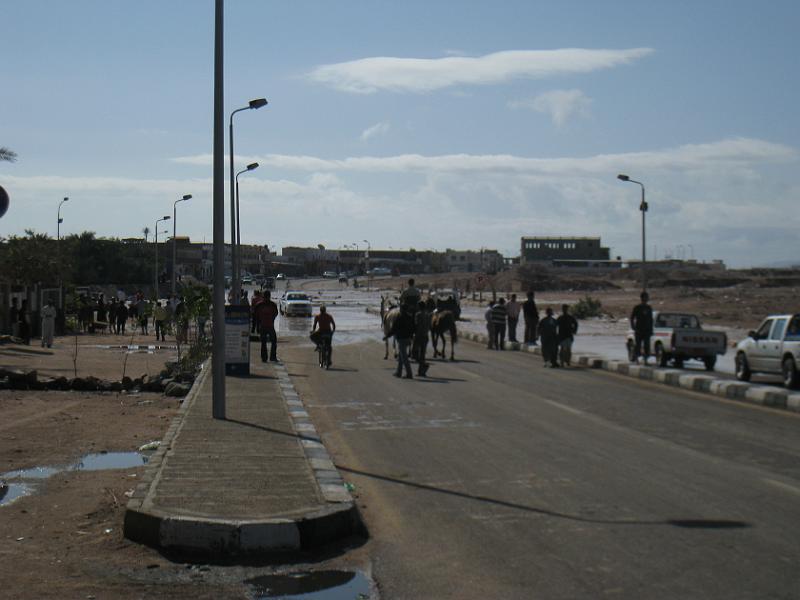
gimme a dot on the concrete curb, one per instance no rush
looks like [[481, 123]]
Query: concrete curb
[[752, 393], [338, 519]]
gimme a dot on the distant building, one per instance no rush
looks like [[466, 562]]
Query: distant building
[[468, 261], [550, 249]]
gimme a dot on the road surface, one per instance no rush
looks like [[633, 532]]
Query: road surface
[[498, 478]]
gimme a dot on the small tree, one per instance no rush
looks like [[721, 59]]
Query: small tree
[[7, 155]]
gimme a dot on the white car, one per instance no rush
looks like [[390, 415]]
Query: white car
[[295, 304], [773, 348], [330, 275]]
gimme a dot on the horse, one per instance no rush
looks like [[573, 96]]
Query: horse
[[389, 317], [443, 322]]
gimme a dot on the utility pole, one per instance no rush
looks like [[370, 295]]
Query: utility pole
[[218, 319]]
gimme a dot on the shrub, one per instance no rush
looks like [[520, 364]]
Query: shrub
[[587, 307]]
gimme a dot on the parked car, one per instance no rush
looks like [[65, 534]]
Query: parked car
[[268, 283], [330, 275], [678, 337], [280, 276], [295, 304], [378, 271], [247, 280], [773, 348]]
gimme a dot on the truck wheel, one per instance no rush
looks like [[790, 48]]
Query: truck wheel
[[791, 378], [661, 357], [743, 372], [631, 352], [709, 362]]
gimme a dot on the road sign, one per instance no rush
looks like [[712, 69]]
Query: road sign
[[237, 340]]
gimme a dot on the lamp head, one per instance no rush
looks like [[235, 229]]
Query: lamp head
[[622, 177], [166, 218], [186, 197], [65, 199], [258, 103], [252, 166]]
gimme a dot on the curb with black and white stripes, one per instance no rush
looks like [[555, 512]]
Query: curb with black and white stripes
[[752, 393]]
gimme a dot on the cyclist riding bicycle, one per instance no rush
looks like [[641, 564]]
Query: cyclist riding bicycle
[[322, 331]]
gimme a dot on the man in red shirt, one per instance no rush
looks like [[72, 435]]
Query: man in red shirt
[[266, 312], [324, 325]]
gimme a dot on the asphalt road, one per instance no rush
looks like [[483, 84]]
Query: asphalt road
[[498, 478]]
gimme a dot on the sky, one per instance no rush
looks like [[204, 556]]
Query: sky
[[425, 124]]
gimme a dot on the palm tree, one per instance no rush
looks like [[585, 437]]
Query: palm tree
[[146, 232], [6, 154]]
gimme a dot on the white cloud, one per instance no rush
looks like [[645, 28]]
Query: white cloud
[[725, 153], [369, 75], [377, 129], [560, 105]]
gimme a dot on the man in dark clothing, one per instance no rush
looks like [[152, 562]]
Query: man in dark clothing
[[13, 317], [403, 331], [531, 314], [548, 332], [122, 317], [499, 316], [642, 325], [567, 328], [266, 312], [422, 328]]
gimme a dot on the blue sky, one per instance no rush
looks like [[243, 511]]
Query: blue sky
[[414, 124]]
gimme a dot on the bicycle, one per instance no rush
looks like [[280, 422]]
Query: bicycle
[[324, 351]]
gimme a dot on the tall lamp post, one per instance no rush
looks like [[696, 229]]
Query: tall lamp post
[[155, 280], [253, 104], [174, 247], [238, 275], [60, 220], [366, 261], [643, 208]]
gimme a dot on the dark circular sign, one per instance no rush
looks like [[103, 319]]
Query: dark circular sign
[[4, 200]]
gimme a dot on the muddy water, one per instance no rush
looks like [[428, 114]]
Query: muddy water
[[312, 585], [24, 482]]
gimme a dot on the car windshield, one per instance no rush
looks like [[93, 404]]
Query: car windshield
[[297, 297]]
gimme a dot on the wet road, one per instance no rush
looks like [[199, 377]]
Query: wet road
[[497, 478]]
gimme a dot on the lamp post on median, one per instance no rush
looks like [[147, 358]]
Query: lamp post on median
[[60, 220], [155, 279], [235, 284], [643, 208], [366, 261], [174, 249], [237, 275]]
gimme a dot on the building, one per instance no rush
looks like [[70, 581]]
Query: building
[[468, 261], [549, 249]]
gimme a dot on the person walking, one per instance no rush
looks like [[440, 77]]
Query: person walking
[[548, 333], [489, 324], [141, 311], [531, 314], [403, 331], [266, 312], [160, 316], [410, 297], [422, 329], [48, 323], [102, 314], [499, 316], [567, 328], [24, 323], [513, 308], [642, 325], [181, 321], [254, 302], [122, 317]]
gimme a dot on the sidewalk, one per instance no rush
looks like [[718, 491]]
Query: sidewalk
[[258, 481]]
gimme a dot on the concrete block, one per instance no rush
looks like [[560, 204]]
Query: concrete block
[[197, 535], [793, 402], [698, 383], [269, 536], [767, 396]]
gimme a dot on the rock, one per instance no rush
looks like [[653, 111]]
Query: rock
[[104, 385], [127, 383], [177, 390], [91, 384], [59, 383], [116, 386], [77, 383], [166, 381], [20, 379]]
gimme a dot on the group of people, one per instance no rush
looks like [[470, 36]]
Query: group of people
[[411, 330], [116, 314], [556, 334]]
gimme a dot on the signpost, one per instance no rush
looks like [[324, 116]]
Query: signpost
[[237, 339]]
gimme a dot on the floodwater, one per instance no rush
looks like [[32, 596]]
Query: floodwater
[[23, 482], [312, 585]]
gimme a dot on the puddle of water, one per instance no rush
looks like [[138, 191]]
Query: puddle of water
[[91, 462], [312, 585], [12, 491]]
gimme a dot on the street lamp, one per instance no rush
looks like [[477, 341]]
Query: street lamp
[[164, 218], [253, 104], [643, 208], [366, 261], [237, 274], [174, 249], [60, 220]]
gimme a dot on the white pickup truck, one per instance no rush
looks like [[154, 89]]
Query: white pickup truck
[[774, 348], [679, 337]]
